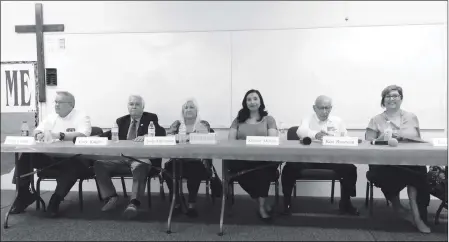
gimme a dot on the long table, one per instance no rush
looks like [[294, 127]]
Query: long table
[[290, 151]]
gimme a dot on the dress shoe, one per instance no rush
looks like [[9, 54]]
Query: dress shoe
[[192, 212], [346, 207], [53, 206], [23, 200]]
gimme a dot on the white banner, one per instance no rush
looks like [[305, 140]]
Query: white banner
[[18, 87]]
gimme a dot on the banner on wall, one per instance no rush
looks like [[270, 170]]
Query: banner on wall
[[18, 87]]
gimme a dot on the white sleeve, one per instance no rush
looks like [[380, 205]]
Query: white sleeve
[[47, 122], [84, 125], [304, 130]]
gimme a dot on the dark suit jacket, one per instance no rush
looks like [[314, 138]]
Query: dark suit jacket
[[123, 126]]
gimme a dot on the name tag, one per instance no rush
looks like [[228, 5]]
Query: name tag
[[91, 141], [439, 141], [340, 141], [19, 140], [160, 140], [198, 138], [262, 140]]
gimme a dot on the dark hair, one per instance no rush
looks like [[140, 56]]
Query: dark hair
[[388, 90], [244, 112]]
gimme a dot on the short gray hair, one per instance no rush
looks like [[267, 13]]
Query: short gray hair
[[139, 97], [68, 95]]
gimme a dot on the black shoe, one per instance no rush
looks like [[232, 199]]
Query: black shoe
[[347, 208], [23, 200], [177, 209], [265, 220], [287, 210], [53, 206], [192, 212]]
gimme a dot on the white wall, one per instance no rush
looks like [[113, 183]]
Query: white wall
[[145, 17]]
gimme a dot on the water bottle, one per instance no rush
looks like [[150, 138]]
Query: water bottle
[[388, 132], [182, 134], [24, 129], [151, 130], [114, 133]]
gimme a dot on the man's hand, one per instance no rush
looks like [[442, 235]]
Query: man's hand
[[39, 137], [139, 139], [319, 135], [55, 135]]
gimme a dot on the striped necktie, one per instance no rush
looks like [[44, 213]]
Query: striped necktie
[[132, 132]]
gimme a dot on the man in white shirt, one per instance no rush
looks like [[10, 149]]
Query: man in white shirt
[[317, 126], [65, 124]]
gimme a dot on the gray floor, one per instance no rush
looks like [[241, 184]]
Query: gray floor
[[313, 219]]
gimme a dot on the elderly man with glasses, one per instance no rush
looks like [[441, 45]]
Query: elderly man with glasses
[[65, 124], [315, 127]]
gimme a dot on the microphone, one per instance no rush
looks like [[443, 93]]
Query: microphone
[[306, 141], [391, 142], [379, 142]]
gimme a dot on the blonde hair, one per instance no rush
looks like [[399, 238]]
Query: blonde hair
[[195, 103]]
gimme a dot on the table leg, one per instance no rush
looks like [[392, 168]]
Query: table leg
[[5, 225], [223, 198], [173, 201]]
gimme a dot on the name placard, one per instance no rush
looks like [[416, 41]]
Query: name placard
[[198, 138], [160, 140], [262, 140], [340, 141], [439, 142], [91, 141], [19, 140]]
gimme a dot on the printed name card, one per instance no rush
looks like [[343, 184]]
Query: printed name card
[[19, 140], [198, 138], [91, 141], [340, 141], [439, 142], [160, 140], [262, 140]]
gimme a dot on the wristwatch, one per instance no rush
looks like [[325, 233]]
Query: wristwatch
[[61, 136]]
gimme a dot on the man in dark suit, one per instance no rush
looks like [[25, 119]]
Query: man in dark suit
[[133, 126]]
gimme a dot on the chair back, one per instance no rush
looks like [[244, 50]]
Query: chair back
[[96, 131], [291, 133]]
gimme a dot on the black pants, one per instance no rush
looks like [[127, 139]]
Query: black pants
[[392, 179], [193, 170], [346, 172], [69, 170], [256, 183]]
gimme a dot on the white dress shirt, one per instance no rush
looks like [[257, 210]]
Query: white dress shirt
[[312, 125], [75, 121]]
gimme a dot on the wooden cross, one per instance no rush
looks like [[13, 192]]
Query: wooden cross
[[39, 28]]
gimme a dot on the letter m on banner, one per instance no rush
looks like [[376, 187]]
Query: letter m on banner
[[18, 87]]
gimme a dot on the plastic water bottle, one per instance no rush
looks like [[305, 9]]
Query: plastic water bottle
[[151, 130], [114, 133], [388, 132], [182, 134], [24, 129]]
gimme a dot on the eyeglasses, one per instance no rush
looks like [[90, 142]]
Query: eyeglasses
[[324, 108], [393, 96], [59, 102]]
